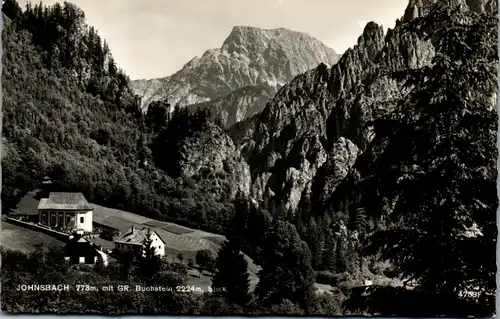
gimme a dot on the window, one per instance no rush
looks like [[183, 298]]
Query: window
[[81, 220]]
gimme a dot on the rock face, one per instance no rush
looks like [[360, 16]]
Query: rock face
[[250, 60], [313, 130], [211, 156], [419, 8], [303, 145], [318, 117], [341, 160]]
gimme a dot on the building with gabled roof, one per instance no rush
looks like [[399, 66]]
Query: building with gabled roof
[[133, 240], [68, 211], [79, 250]]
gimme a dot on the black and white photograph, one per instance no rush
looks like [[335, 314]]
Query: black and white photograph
[[311, 158]]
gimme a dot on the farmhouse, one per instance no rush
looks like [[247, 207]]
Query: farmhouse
[[80, 250], [133, 240], [69, 211]]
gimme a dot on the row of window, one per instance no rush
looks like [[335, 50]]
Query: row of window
[[54, 215]]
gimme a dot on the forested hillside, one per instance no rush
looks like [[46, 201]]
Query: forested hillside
[[68, 113]]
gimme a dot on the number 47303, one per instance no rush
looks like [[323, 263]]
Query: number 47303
[[469, 294]]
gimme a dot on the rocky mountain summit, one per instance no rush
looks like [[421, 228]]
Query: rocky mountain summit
[[251, 66], [311, 133]]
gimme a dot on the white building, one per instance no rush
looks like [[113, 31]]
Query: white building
[[133, 241], [69, 211]]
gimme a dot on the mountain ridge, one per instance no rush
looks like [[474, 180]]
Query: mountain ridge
[[327, 108], [329, 103], [249, 56]]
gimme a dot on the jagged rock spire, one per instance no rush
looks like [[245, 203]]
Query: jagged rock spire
[[418, 8]]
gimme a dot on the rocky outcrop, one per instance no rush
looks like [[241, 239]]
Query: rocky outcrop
[[249, 57], [308, 137], [342, 157], [209, 156], [419, 8], [320, 118], [290, 141]]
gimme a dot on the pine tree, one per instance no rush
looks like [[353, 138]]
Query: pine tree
[[99, 266], [204, 259], [157, 116], [442, 149], [231, 274], [316, 242], [330, 252], [128, 265], [286, 267], [147, 245], [149, 260]]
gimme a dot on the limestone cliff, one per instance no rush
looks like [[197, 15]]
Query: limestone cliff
[[319, 119], [305, 141]]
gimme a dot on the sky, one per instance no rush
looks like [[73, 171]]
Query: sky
[[155, 38]]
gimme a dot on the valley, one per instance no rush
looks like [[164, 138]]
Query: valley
[[310, 183]]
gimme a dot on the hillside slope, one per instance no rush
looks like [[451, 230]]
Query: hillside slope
[[70, 115]]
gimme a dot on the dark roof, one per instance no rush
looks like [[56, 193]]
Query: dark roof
[[80, 246], [135, 236], [64, 201], [105, 244]]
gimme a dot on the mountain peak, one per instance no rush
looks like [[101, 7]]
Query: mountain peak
[[245, 30], [254, 40], [250, 56]]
